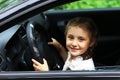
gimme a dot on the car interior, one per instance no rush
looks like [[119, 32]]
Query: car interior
[[31, 36], [106, 53]]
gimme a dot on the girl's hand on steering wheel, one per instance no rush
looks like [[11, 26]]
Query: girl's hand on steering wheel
[[40, 67]]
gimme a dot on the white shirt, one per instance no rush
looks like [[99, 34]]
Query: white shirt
[[78, 64]]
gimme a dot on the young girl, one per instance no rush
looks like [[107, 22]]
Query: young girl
[[81, 36]]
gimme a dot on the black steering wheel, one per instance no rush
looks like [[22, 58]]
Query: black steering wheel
[[38, 43]]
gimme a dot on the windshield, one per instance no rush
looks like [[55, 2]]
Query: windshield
[[7, 4]]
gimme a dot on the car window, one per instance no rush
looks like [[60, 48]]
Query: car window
[[55, 22], [7, 4], [99, 7], [89, 4], [7, 7]]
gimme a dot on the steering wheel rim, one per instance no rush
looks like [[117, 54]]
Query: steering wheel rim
[[32, 42], [40, 48]]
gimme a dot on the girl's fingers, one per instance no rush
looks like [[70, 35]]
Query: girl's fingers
[[50, 43], [40, 67], [35, 62], [36, 67], [52, 39], [44, 61]]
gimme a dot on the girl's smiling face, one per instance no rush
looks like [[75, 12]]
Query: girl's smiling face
[[78, 40]]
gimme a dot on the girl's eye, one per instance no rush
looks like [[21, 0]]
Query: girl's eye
[[81, 39], [70, 37]]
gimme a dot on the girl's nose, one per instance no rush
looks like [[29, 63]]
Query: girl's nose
[[74, 43]]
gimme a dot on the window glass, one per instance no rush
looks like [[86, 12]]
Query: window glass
[[89, 4], [7, 4]]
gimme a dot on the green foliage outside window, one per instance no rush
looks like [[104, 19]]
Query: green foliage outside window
[[87, 4], [80, 4]]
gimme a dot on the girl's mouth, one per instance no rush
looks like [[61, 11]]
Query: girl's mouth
[[74, 49]]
